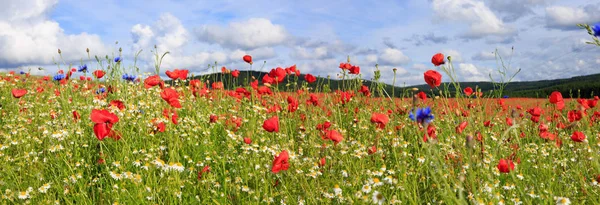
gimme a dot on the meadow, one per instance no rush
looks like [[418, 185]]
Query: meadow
[[91, 134]]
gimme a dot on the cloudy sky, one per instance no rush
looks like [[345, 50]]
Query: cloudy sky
[[315, 35]]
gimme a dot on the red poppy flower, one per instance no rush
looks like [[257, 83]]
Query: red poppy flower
[[354, 70], [247, 140], [557, 99], [380, 120], [292, 104], [104, 121], [152, 81], [213, 118], [117, 103], [235, 73], [433, 78], [76, 115], [177, 74], [206, 169], [345, 66], [18, 93], [310, 78], [372, 150], [271, 124], [438, 59], [461, 127], [281, 163], [431, 133], [171, 96], [422, 95], [334, 136], [248, 59], [574, 115], [509, 121], [98, 73], [278, 74], [488, 124], [468, 91], [578, 136], [365, 90], [505, 165], [313, 99]]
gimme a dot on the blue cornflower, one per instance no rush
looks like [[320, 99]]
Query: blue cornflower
[[59, 77], [596, 29], [422, 115], [101, 90], [128, 77], [118, 59], [82, 68], [22, 72], [506, 96]]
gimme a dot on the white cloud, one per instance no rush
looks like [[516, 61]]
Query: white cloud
[[371, 58], [472, 73], [169, 34], [317, 53], [391, 56], [258, 54], [420, 67], [456, 56], [250, 34], [482, 21], [564, 17], [28, 36]]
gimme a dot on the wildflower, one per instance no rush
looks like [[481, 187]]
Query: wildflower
[[337, 190], [24, 195], [422, 115], [334, 136], [596, 29], [247, 59], [366, 188], [59, 77], [310, 78], [82, 68], [128, 77], [280, 162], [380, 120], [177, 74], [153, 81], [557, 99], [438, 59], [118, 59], [505, 166], [562, 201], [101, 90], [378, 198], [18, 93], [104, 122], [468, 91], [271, 124], [171, 96], [97, 73], [578, 136], [235, 73]]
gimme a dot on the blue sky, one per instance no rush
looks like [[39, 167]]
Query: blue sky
[[314, 35]]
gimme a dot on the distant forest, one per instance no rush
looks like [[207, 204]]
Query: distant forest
[[575, 87]]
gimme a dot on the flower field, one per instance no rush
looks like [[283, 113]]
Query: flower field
[[93, 135]]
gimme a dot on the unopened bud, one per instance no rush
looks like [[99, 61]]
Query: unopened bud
[[87, 50], [470, 142], [59, 52]]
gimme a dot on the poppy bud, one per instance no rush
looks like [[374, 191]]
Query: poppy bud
[[59, 52], [470, 143]]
